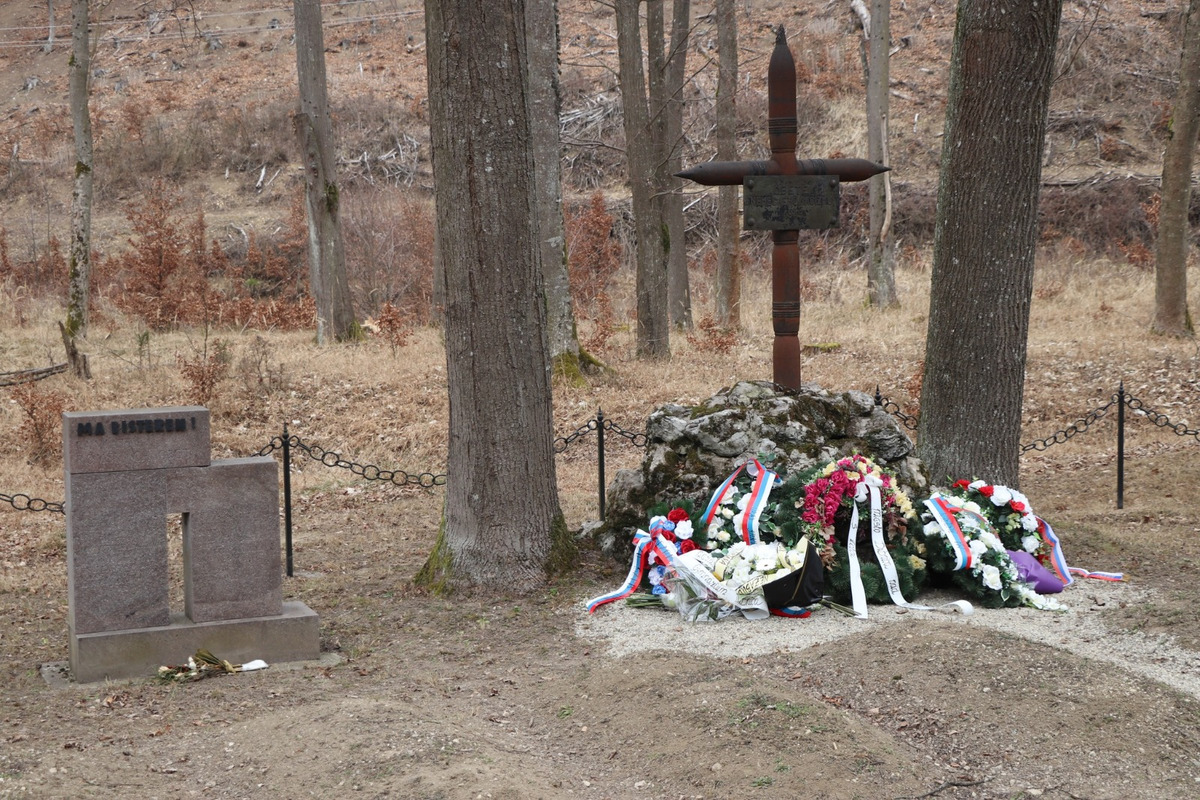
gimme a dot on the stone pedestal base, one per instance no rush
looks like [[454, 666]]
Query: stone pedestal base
[[294, 635]]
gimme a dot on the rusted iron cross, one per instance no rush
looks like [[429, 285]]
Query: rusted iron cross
[[784, 195]]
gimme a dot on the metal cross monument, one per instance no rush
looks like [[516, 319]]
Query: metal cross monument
[[785, 195]]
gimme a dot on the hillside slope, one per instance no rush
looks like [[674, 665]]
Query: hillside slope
[[201, 93]]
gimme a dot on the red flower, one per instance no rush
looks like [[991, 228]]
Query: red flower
[[986, 491], [1017, 506], [678, 515], [686, 545], [962, 483]]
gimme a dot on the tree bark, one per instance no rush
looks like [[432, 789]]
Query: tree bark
[[502, 526], [79, 265], [678, 285], [544, 104], [1171, 316], [984, 238], [881, 256], [327, 259], [729, 274], [653, 242]]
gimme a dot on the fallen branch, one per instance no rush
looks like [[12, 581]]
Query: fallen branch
[[30, 375], [942, 788]]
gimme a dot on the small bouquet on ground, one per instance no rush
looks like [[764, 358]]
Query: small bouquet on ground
[[203, 665], [843, 504], [962, 544]]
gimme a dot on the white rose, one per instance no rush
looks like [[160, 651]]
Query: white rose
[[683, 530], [991, 540], [972, 506], [727, 513], [978, 548], [991, 577], [1029, 522], [1001, 496], [722, 536], [976, 484], [1030, 544], [932, 528]]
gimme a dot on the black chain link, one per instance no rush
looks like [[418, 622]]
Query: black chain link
[[907, 420], [636, 439], [563, 442], [23, 502], [1161, 420], [1074, 428], [330, 458]]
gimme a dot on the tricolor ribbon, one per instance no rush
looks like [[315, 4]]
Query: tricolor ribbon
[[643, 545], [945, 514], [1058, 562], [760, 490]]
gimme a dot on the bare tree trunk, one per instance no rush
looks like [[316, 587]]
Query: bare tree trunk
[[502, 526], [881, 257], [982, 280], [544, 104], [653, 243], [729, 273], [1171, 316], [679, 288], [79, 266], [327, 259], [50, 34]]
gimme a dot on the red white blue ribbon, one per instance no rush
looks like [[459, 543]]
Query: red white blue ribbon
[[1058, 562], [760, 490], [944, 514], [764, 481], [643, 544]]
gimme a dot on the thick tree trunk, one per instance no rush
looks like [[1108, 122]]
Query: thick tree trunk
[[79, 265], [679, 287], [729, 274], [881, 256], [984, 238], [1171, 315], [544, 103], [502, 526], [327, 260], [653, 242]]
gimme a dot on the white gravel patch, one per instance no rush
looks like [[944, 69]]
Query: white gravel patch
[[1079, 630]]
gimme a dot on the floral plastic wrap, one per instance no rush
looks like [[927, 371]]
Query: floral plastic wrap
[[699, 597]]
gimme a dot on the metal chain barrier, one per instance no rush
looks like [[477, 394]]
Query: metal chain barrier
[[636, 439], [563, 442], [907, 420], [1161, 420], [23, 502], [329, 458], [1074, 428]]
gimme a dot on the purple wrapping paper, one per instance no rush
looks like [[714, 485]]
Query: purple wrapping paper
[[1032, 572]]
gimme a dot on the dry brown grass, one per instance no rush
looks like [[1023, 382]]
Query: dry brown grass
[[388, 407]]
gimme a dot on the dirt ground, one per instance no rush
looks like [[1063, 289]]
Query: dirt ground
[[509, 697]]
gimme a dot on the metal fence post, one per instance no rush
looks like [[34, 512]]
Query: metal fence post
[[1121, 445], [600, 453], [287, 497]]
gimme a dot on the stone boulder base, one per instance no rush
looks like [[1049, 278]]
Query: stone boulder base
[[690, 450]]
